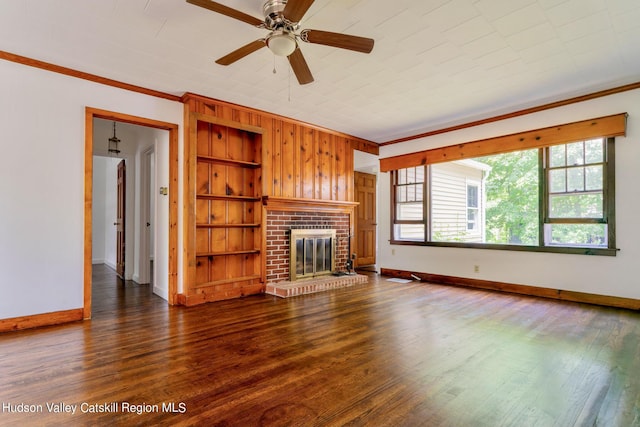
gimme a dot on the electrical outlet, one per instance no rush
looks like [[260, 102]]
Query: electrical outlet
[[476, 269], [393, 251]]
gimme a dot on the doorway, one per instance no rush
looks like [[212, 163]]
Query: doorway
[[365, 215], [169, 235]]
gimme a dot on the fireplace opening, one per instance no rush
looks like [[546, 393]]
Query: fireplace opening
[[312, 253]]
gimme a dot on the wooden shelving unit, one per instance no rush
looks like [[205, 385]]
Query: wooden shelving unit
[[225, 210]]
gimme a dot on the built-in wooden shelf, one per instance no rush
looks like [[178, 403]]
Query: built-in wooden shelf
[[225, 161], [227, 225], [224, 209], [231, 198], [245, 252], [231, 280]]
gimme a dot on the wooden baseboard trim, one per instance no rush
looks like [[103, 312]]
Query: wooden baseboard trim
[[38, 320], [221, 295], [535, 291]]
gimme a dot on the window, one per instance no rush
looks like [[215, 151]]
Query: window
[[557, 199], [409, 200], [472, 207], [576, 197]]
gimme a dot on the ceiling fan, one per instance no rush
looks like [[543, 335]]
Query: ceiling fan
[[282, 19]]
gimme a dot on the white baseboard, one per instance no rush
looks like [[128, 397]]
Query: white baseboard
[[162, 293], [97, 261]]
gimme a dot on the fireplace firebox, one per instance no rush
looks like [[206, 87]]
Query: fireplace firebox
[[312, 253]]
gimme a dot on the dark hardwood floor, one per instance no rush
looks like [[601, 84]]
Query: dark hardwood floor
[[379, 354]]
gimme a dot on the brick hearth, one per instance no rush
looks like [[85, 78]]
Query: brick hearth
[[287, 289]]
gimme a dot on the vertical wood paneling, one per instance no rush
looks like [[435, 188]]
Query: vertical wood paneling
[[288, 160], [276, 165], [341, 168], [307, 154], [267, 158], [325, 165], [349, 173]]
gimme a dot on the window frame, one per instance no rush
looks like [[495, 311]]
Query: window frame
[[477, 221], [394, 203], [608, 186], [543, 197]]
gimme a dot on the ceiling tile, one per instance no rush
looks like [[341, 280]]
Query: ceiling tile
[[520, 20]]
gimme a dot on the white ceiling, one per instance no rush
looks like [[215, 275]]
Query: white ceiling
[[435, 62]]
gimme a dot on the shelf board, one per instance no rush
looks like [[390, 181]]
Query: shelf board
[[223, 253], [225, 281], [223, 197], [231, 162], [256, 225]]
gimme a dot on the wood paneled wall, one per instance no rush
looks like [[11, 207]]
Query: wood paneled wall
[[228, 178], [300, 160]]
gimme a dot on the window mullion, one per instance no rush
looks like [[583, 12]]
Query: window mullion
[[543, 193], [426, 202]]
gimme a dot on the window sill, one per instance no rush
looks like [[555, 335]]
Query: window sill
[[518, 248]]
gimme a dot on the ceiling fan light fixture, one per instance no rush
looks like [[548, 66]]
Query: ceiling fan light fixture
[[282, 43]]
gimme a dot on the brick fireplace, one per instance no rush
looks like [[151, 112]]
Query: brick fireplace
[[279, 224]]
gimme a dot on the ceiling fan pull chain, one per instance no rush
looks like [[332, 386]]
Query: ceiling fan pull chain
[[274, 64]]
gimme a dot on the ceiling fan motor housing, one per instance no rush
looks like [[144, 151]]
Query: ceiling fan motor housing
[[273, 17]]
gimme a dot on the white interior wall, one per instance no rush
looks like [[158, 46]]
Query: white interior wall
[[110, 211], [161, 241], [602, 275], [42, 182], [104, 210], [98, 213]]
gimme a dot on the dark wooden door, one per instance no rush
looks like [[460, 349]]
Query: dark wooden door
[[120, 219], [365, 189]]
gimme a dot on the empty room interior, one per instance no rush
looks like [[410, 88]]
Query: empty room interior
[[320, 213]]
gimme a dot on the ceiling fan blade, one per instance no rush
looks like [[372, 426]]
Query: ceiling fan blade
[[226, 10], [295, 9], [343, 41], [300, 67], [241, 53]]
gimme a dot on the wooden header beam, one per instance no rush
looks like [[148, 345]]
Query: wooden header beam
[[608, 126]]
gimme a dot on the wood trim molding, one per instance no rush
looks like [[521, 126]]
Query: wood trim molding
[[608, 126], [290, 204], [85, 76], [535, 291], [524, 112], [39, 320]]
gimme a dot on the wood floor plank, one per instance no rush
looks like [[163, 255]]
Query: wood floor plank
[[382, 353]]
